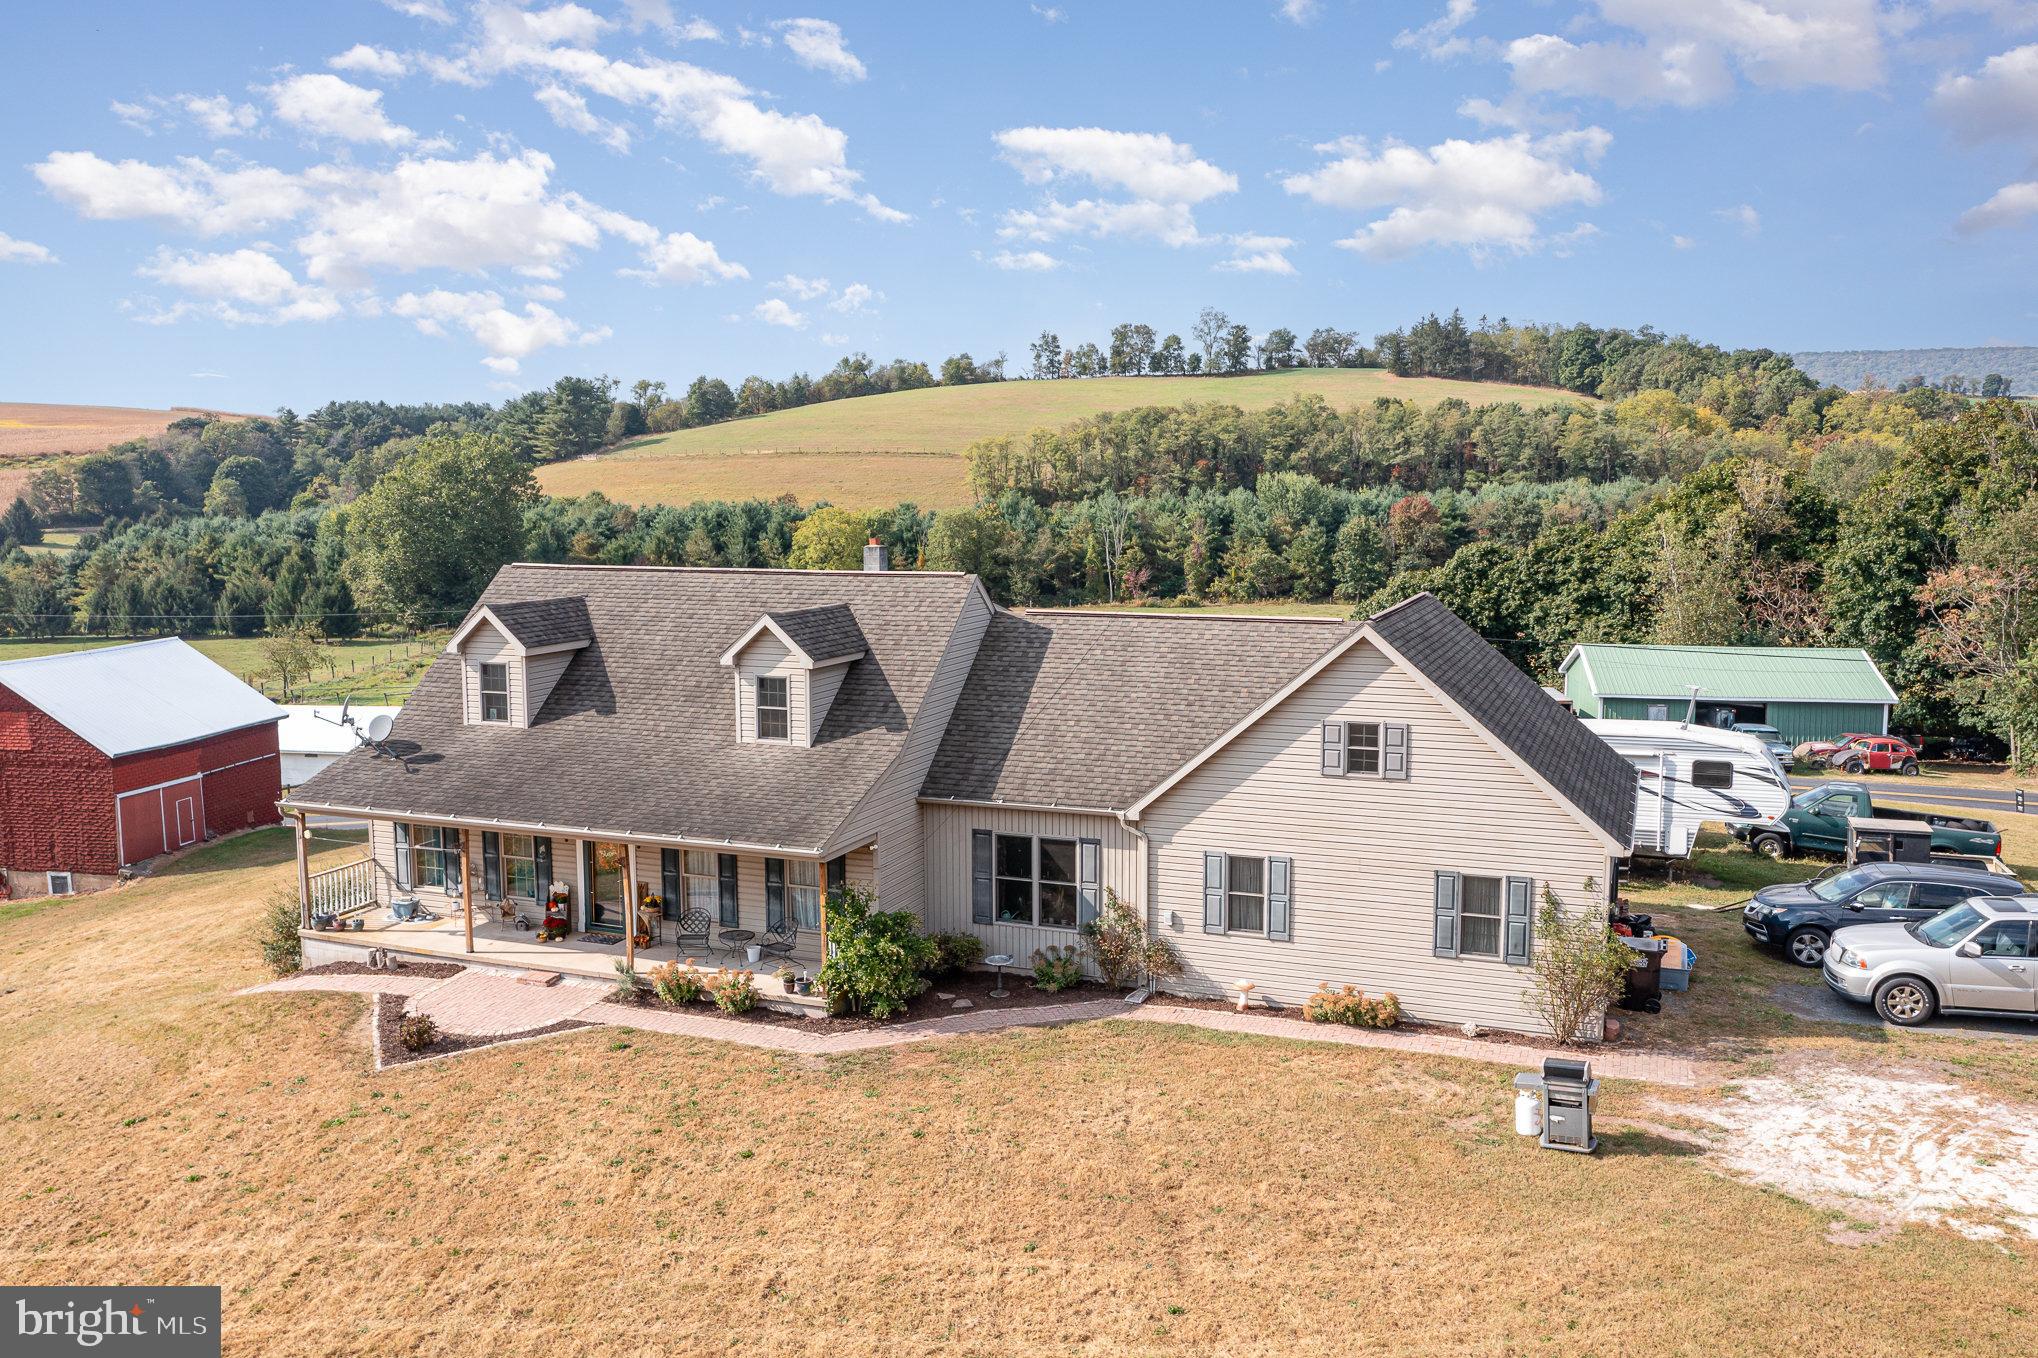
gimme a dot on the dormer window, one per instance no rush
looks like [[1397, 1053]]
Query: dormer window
[[774, 717], [495, 704]]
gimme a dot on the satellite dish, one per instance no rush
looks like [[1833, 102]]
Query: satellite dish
[[345, 703], [378, 727]]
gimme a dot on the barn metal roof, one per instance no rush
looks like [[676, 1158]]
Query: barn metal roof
[[1802, 674], [146, 696]]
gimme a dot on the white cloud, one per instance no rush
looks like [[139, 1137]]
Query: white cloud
[[774, 311], [829, 337], [1253, 253], [362, 59], [218, 116], [1685, 74], [698, 30], [1025, 261], [508, 336], [1682, 242], [239, 286], [1300, 11], [327, 106], [806, 289], [682, 257], [1478, 195], [1999, 100], [431, 11], [1164, 178], [570, 111], [139, 117], [818, 45], [1050, 14], [16, 251], [1439, 37], [198, 195], [1742, 215], [658, 14], [2008, 206], [854, 298]]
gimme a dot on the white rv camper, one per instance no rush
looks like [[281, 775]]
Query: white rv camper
[[1692, 774]]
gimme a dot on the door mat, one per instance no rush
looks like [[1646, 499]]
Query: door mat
[[606, 940]]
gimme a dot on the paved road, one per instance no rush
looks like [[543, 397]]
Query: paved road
[[1897, 789]]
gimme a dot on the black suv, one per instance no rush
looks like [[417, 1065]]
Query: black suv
[[1800, 917]]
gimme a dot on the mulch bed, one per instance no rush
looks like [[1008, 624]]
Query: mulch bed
[[437, 971], [972, 986], [389, 1013], [1411, 1026]]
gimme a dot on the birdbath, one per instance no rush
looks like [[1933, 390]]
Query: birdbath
[[1000, 961], [1245, 993]]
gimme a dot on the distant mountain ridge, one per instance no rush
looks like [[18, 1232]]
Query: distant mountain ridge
[[1848, 367]]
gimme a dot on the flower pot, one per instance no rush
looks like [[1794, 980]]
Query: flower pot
[[751, 953], [803, 986]]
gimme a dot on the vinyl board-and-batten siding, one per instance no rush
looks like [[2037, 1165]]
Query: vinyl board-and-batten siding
[[946, 835], [767, 656], [890, 813], [1365, 850], [486, 646]]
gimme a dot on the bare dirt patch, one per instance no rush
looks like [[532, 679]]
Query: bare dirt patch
[[1885, 1149]]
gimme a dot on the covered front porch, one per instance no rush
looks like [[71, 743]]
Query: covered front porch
[[574, 906]]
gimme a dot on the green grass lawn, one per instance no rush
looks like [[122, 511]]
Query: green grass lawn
[[368, 669], [875, 451]]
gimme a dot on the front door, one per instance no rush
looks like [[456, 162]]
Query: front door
[[2002, 977], [187, 821], [608, 870]]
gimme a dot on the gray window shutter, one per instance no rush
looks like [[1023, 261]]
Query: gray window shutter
[[980, 877], [1280, 899], [1393, 750], [837, 875], [402, 856], [1520, 921], [726, 870], [668, 883], [1089, 879], [491, 865], [1334, 760], [1446, 944], [541, 861], [455, 858], [774, 893], [1213, 893]]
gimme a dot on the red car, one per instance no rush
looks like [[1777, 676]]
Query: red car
[[1819, 751], [1875, 754]]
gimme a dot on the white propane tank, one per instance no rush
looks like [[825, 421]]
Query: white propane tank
[[1528, 1113]]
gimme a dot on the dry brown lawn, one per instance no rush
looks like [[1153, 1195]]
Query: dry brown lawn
[[1098, 1189]]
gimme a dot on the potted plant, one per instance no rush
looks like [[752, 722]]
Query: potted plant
[[804, 984], [785, 978]]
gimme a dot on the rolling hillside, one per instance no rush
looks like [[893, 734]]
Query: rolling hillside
[[1847, 367], [34, 435], [875, 451]]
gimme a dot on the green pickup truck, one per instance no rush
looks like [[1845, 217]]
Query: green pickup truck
[[1817, 822]]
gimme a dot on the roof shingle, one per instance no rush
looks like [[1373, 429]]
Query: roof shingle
[[825, 633], [538, 623]]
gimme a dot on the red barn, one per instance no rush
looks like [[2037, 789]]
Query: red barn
[[112, 756]]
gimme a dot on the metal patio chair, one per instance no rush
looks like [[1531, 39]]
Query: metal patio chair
[[694, 926], [781, 941]]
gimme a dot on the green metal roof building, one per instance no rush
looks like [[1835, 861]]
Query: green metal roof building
[[1805, 692]]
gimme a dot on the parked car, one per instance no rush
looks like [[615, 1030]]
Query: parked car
[[1771, 738], [1818, 751], [1817, 822], [1801, 917], [1976, 958], [1977, 750], [1876, 754]]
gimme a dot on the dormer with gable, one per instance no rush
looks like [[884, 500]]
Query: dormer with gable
[[788, 668], [512, 654]]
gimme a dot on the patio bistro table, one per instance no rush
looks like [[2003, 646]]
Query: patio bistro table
[[733, 939]]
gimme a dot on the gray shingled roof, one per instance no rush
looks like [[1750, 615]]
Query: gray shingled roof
[[1096, 709], [546, 622], [1583, 768], [639, 734], [825, 633]]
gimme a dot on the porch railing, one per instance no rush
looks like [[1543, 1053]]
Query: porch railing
[[337, 890]]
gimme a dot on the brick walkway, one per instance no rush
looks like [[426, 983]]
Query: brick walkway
[[1648, 1067], [494, 1005]]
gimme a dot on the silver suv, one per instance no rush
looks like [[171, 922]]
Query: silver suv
[[1976, 958]]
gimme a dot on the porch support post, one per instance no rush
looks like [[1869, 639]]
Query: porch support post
[[630, 910], [301, 835], [467, 891]]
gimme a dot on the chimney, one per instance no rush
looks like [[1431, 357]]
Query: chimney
[[876, 556]]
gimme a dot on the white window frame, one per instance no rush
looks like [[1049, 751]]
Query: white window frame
[[438, 852], [486, 692], [1232, 894], [1034, 881], [1354, 751], [803, 891], [708, 882], [504, 858], [784, 707], [69, 880], [1498, 916]]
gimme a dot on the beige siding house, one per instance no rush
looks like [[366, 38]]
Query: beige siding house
[[1286, 801]]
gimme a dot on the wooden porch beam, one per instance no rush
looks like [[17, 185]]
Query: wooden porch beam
[[303, 837], [466, 891], [630, 908]]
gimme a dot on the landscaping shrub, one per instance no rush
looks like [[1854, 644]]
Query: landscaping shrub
[[1352, 1007], [1057, 967], [676, 984], [276, 933], [417, 1031], [879, 955], [1125, 953], [954, 953], [1580, 968], [735, 992], [628, 984]]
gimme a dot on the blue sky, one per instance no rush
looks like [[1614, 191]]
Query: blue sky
[[255, 204]]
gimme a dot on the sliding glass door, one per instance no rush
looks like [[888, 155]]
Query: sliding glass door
[[608, 888]]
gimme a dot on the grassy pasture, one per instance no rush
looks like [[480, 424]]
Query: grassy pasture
[[1102, 1188], [850, 452], [370, 669]]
